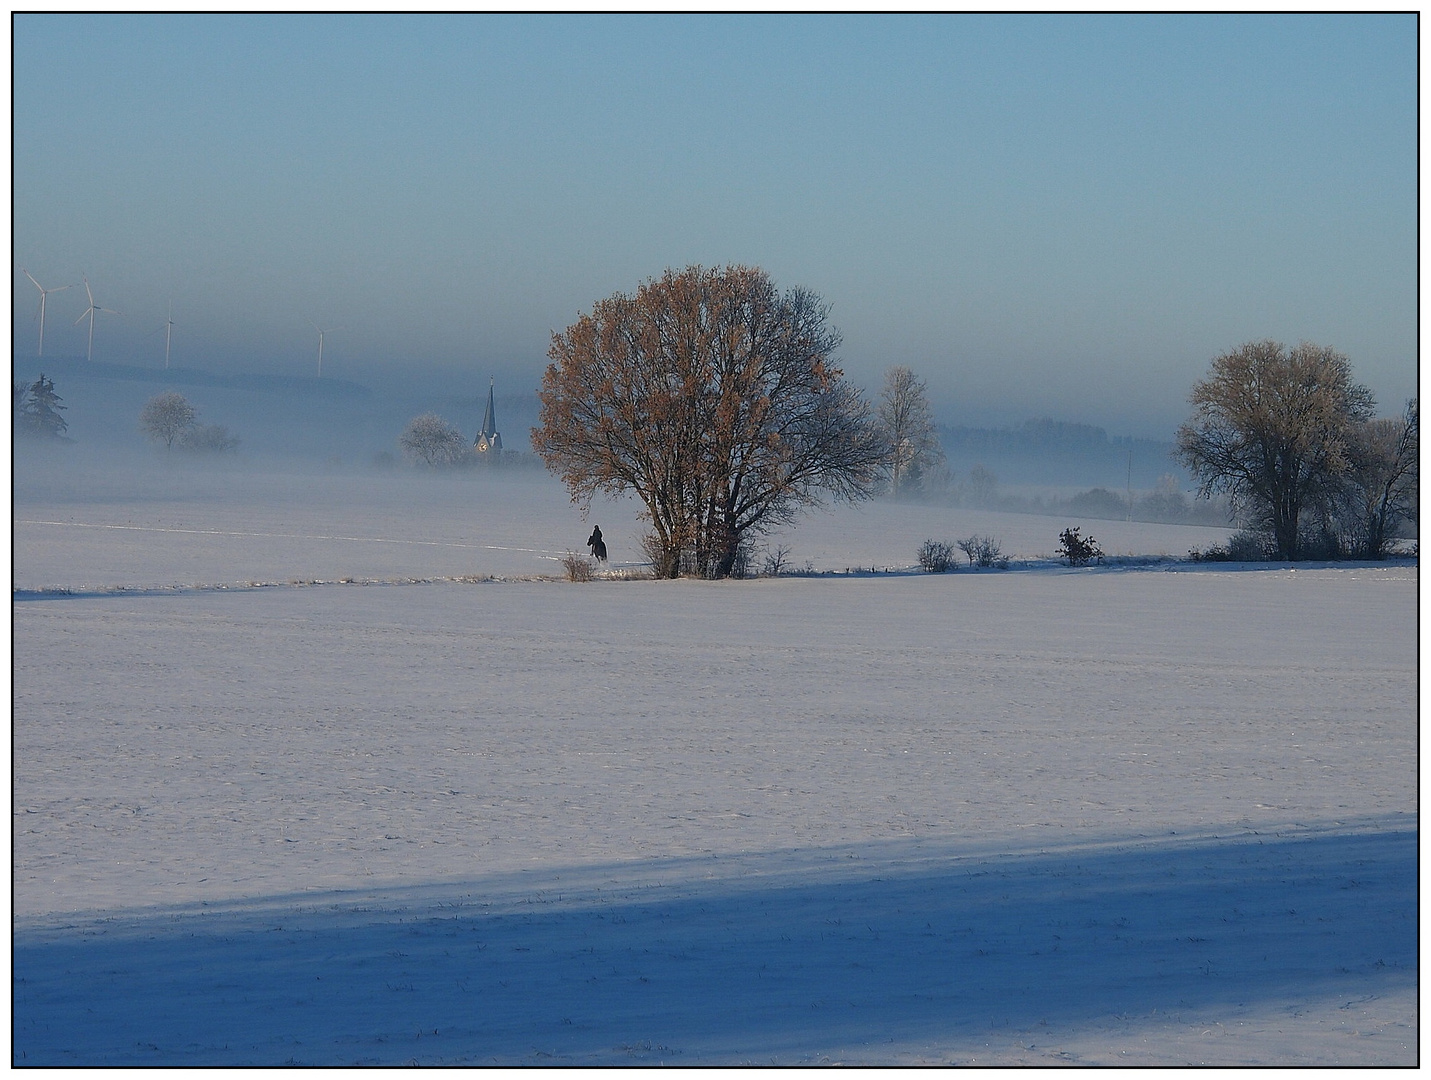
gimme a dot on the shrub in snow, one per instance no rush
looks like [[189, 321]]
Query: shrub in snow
[[936, 557], [577, 567], [984, 551], [1245, 546], [1078, 550]]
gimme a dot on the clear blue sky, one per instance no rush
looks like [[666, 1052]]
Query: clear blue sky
[[1063, 216]]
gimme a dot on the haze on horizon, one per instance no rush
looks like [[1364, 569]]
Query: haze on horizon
[[1057, 215]]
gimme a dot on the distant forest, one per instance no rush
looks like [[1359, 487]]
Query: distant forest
[[995, 468], [1056, 452]]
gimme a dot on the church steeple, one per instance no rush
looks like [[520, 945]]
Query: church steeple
[[488, 439]]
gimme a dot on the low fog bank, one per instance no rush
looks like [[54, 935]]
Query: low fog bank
[[1047, 466], [1059, 453], [297, 419], [303, 422]]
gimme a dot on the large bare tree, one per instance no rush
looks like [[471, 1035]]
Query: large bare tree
[[907, 424], [712, 397], [1273, 427]]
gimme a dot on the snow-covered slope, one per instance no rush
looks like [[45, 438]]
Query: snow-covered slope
[[1111, 815]]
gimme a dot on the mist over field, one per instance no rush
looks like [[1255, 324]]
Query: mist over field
[[342, 423]]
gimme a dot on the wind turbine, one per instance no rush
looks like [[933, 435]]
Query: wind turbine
[[168, 328], [321, 332], [168, 332], [90, 311], [43, 293]]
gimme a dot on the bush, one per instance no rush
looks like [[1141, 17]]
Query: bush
[[1078, 550], [936, 557], [1245, 546], [1248, 546], [577, 567], [1212, 554], [984, 551]]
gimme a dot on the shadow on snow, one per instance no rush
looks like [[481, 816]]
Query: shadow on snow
[[782, 956]]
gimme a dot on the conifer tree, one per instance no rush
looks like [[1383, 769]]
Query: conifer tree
[[41, 410]]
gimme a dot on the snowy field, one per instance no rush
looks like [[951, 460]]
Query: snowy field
[[296, 781]]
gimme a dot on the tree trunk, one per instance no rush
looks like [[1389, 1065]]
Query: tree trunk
[[1284, 528], [727, 551]]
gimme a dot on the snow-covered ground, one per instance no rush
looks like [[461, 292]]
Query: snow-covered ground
[[120, 524], [1114, 815]]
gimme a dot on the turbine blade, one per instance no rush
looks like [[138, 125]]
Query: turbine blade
[[32, 280]]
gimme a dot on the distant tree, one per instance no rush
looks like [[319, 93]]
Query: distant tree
[[983, 486], [1166, 502], [40, 410], [1098, 503], [432, 440], [1383, 482], [906, 423], [776, 559], [167, 417], [712, 396], [208, 439], [1273, 428]]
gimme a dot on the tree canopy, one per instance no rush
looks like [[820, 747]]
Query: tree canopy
[[1273, 428], [432, 440], [167, 417], [712, 396]]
